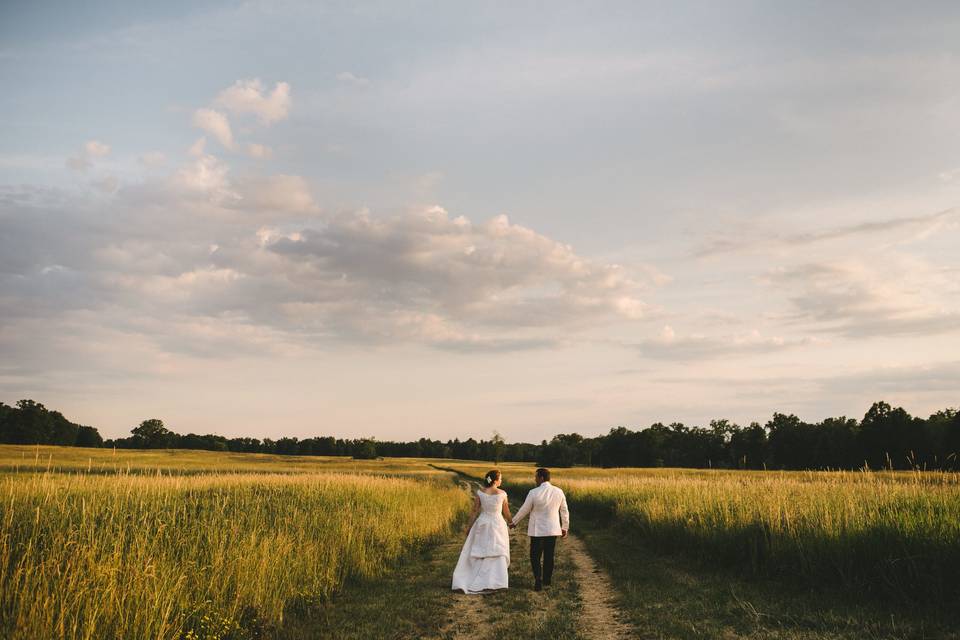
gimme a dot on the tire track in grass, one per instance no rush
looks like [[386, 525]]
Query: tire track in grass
[[579, 606], [601, 619]]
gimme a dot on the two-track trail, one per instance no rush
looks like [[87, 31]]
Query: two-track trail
[[579, 606], [600, 618]]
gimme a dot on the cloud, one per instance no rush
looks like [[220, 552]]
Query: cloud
[[421, 277], [670, 346], [107, 184], [206, 176], [216, 124], [349, 78], [248, 97], [493, 274], [92, 150], [278, 193], [198, 148], [927, 378], [153, 159], [894, 295], [917, 226], [96, 149], [259, 151]]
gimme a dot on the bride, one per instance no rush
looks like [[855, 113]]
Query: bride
[[486, 552]]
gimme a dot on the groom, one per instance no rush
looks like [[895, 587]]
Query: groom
[[549, 518]]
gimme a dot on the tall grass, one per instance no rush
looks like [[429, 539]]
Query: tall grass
[[157, 556], [22, 458], [890, 534]]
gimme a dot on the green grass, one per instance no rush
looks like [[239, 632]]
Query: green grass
[[673, 597]]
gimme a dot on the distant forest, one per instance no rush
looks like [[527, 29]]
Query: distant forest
[[886, 438]]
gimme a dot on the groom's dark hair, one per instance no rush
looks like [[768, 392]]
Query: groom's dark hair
[[543, 474]]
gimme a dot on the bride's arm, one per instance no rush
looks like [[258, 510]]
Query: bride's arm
[[474, 512], [506, 509]]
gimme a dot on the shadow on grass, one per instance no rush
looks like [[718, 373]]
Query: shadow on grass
[[672, 597]]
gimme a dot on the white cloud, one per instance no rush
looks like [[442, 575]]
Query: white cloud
[[248, 97], [278, 193], [421, 277], [207, 176], [351, 79], [198, 147], [91, 150], [107, 184], [259, 151], [490, 280], [912, 226], [153, 159], [698, 346], [216, 124], [96, 149], [890, 295], [949, 175]]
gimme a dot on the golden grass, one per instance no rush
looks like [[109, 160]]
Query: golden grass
[[23, 458], [112, 554], [893, 533]]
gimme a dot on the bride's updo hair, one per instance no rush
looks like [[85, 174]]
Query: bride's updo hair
[[491, 477]]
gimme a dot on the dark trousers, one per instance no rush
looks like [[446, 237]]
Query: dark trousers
[[542, 546]]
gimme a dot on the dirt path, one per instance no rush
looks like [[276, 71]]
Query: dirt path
[[600, 618], [580, 605]]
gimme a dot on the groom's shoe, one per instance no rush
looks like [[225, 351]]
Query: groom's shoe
[[538, 586], [546, 582]]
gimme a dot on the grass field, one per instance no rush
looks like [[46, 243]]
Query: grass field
[[199, 545], [893, 535], [167, 545], [791, 555]]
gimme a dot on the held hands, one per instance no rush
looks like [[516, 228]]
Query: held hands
[[512, 525]]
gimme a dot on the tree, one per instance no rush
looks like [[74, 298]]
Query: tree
[[365, 449], [498, 445], [152, 434], [889, 437], [792, 442], [748, 447], [88, 437], [560, 452]]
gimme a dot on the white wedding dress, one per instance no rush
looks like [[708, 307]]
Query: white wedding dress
[[486, 553]]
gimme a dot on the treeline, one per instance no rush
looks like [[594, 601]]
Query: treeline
[[32, 423], [886, 437]]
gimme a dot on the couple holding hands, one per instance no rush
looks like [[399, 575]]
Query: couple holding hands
[[485, 556]]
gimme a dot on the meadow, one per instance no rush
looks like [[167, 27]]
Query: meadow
[[891, 536], [194, 545]]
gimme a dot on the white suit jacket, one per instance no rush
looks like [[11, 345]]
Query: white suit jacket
[[548, 511]]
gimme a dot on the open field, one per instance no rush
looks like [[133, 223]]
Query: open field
[[23, 458], [892, 534], [873, 540], [111, 553], [200, 545]]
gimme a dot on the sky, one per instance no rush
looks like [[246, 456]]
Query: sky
[[440, 219]]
